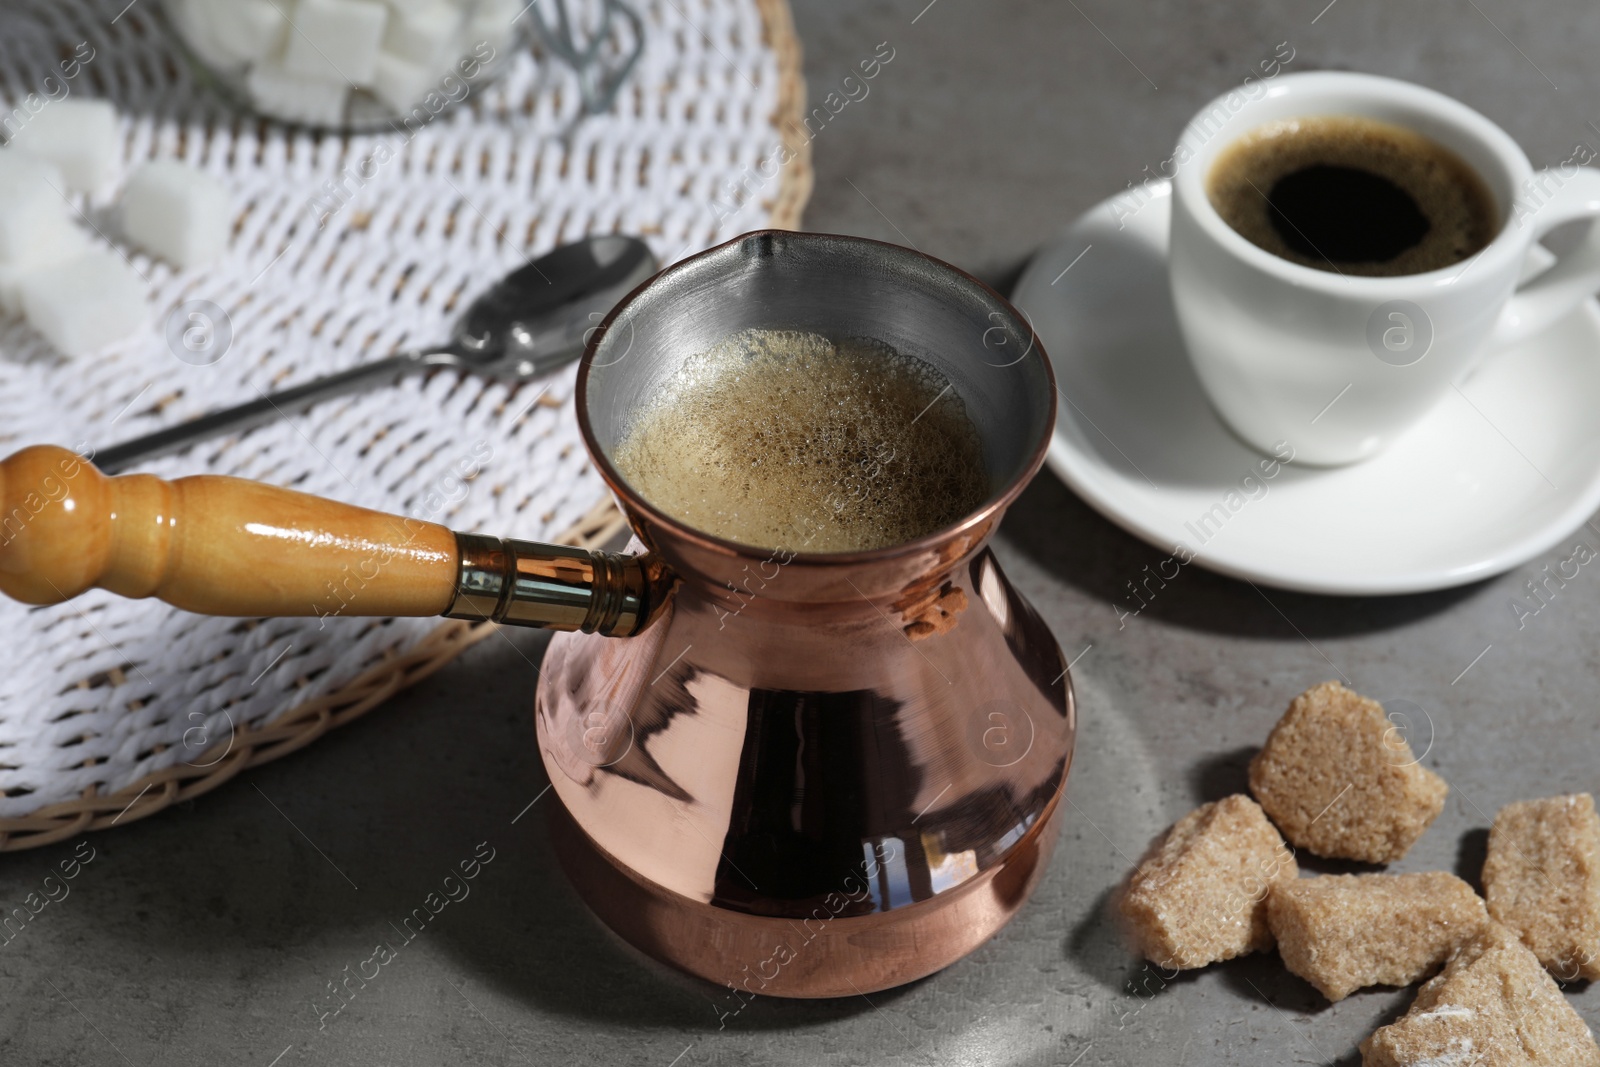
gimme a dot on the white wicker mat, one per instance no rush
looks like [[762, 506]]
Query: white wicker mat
[[111, 709]]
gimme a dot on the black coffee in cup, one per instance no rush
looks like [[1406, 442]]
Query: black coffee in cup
[[1352, 195]]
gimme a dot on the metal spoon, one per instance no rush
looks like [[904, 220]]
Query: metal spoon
[[533, 321]]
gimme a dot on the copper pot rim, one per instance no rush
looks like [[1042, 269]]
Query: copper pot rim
[[635, 504]]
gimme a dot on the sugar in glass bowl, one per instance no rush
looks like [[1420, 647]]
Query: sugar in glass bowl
[[348, 64]]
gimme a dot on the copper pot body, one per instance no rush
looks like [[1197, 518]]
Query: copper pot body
[[814, 775]]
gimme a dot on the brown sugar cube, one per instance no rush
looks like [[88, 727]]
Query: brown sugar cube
[[1494, 1005], [1200, 896], [1542, 879], [1344, 932], [1340, 780]]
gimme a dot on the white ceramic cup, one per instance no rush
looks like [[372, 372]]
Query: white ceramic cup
[[1337, 366]]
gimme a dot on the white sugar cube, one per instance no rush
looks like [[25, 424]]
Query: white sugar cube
[[177, 212], [252, 29], [79, 136], [18, 167], [84, 304], [232, 33], [402, 84], [423, 32], [336, 39], [297, 99], [194, 23], [33, 209], [65, 242]]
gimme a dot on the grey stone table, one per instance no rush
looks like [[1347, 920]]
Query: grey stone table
[[208, 935]]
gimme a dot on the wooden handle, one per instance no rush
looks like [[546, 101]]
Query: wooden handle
[[213, 545]]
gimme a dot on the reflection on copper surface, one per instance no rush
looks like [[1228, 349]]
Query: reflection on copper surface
[[813, 775], [806, 761]]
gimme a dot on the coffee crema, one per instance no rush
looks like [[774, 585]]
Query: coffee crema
[[787, 440], [1352, 195]]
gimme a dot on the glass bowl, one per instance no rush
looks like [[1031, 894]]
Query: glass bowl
[[348, 65]]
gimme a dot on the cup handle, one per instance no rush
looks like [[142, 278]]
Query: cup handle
[[1547, 297]]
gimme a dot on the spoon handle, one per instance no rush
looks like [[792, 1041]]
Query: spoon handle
[[258, 412]]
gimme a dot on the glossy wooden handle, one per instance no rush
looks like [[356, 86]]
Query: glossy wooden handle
[[209, 544]]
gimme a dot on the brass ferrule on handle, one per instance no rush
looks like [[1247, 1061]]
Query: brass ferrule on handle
[[554, 587]]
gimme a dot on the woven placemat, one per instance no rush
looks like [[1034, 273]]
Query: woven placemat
[[111, 710]]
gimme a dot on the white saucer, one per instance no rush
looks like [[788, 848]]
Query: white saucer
[[1501, 471]]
